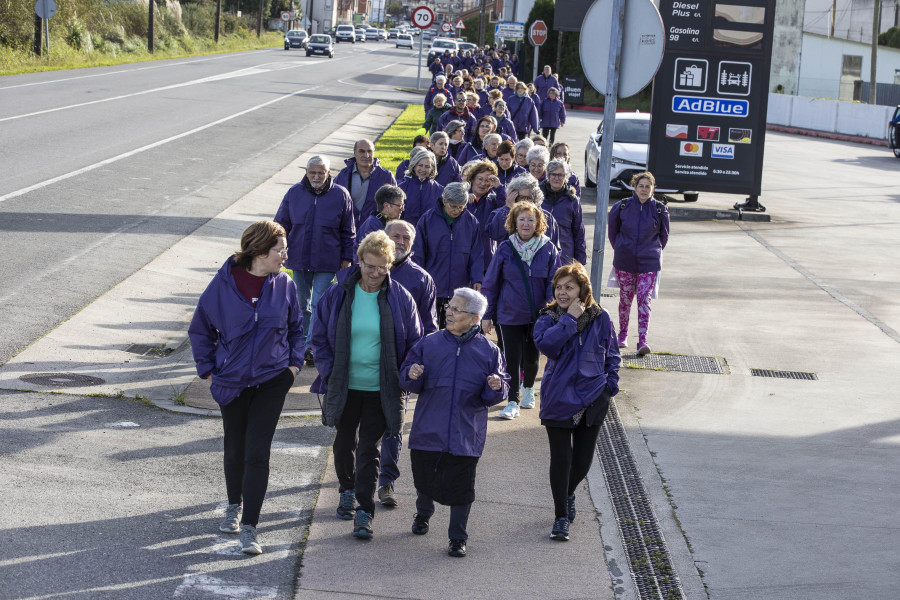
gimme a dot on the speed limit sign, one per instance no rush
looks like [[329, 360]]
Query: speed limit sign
[[422, 17], [446, 27]]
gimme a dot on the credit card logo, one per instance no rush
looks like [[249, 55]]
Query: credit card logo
[[691, 149], [739, 136], [710, 134], [722, 151], [677, 131]]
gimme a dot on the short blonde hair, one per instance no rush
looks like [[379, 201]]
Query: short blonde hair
[[377, 243], [518, 208]]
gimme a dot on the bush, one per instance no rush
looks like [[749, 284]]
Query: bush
[[78, 36]]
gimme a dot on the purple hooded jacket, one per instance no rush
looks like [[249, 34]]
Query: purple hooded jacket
[[453, 256], [524, 113], [506, 127], [482, 210], [244, 345], [566, 209], [420, 286], [505, 291], [314, 220], [379, 177], [638, 235], [448, 171], [421, 196], [434, 91], [373, 223], [454, 395], [543, 83], [579, 365], [496, 227], [553, 112], [466, 117]]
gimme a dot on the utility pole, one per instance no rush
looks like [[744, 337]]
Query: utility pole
[[876, 21], [481, 24], [218, 18], [38, 34], [259, 18], [833, 16], [559, 42], [151, 4]]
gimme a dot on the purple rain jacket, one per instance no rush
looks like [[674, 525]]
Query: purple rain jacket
[[420, 286], [373, 223], [566, 209], [436, 68], [496, 227], [454, 396], [482, 210], [505, 127], [505, 177], [514, 66], [453, 256], [466, 117], [379, 177], [448, 171], [483, 97], [505, 291], [507, 92], [579, 365], [573, 182], [244, 345], [421, 196], [523, 113], [638, 234], [401, 170], [553, 112], [469, 152], [543, 83], [434, 91], [314, 220]]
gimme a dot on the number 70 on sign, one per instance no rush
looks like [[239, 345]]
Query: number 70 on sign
[[422, 17]]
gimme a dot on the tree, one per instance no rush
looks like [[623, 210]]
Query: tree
[[394, 8]]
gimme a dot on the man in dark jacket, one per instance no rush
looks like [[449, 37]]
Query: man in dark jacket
[[362, 177], [316, 214], [459, 112]]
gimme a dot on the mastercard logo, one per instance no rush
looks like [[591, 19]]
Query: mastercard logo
[[691, 149]]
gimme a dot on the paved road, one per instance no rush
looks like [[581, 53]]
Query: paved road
[[105, 168]]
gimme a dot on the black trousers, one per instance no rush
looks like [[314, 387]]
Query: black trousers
[[459, 516], [358, 433], [571, 453], [521, 354], [549, 133], [249, 422], [521, 135]]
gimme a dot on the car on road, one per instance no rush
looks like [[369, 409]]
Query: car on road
[[404, 40], [439, 46], [295, 38], [345, 33], [382, 34], [371, 34], [320, 44], [894, 133], [360, 34], [631, 147], [393, 33], [467, 46]]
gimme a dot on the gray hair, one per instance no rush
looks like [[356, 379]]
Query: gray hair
[[492, 137], [476, 303], [526, 181], [440, 78], [441, 97], [526, 143], [439, 135], [557, 163], [318, 159], [456, 193], [401, 223], [501, 102], [416, 156], [538, 152], [454, 126]]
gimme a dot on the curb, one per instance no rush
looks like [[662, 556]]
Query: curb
[[858, 139], [681, 213]]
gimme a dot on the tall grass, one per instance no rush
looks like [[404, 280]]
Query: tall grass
[[394, 146]]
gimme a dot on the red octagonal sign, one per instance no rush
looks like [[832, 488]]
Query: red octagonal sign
[[537, 34]]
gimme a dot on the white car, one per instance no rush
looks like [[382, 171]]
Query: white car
[[631, 148], [439, 46], [404, 40]]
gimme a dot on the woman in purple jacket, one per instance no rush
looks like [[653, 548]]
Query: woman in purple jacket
[[581, 376], [523, 112], [638, 231], [504, 124], [560, 150], [474, 150], [560, 200], [422, 192], [447, 167], [246, 334], [553, 115], [517, 285], [458, 373]]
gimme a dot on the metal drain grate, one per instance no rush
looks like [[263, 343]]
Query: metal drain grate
[[61, 379], [676, 362], [149, 350], [651, 568], [784, 374]]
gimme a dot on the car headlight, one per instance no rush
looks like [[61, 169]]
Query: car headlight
[[621, 161]]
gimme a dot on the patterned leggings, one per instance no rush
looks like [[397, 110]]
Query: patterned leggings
[[629, 283]]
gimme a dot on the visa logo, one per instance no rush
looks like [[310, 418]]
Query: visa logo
[[723, 107], [722, 151]]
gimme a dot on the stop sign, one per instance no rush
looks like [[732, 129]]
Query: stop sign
[[537, 34]]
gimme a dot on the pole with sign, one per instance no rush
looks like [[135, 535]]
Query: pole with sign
[[422, 17], [45, 9], [537, 35]]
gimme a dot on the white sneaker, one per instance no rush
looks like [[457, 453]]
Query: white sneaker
[[511, 411], [527, 398]]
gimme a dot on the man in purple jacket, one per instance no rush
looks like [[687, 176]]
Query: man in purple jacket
[[459, 112], [545, 81], [316, 213], [362, 177]]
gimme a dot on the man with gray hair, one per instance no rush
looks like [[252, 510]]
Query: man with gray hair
[[420, 286], [304, 209], [362, 177], [448, 433]]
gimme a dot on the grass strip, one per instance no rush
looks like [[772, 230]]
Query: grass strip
[[394, 145]]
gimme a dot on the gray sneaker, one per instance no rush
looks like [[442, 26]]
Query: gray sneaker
[[248, 542], [386, 496], [232, 521]]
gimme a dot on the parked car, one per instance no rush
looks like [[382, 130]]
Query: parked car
[[894, 133], [371, 34], [320, 44], [404, 40], [382, 34], [345, 33], [295, 38], [360, 34], [393, 33], [464, 46], [631, 147], [439, 46]]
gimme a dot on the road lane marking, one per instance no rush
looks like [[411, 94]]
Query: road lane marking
[[198, 584], [156, 144]]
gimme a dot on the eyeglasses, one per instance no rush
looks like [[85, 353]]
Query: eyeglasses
[[454, 310], [380, 270], [282, 252], [521, 197], [557, 175]]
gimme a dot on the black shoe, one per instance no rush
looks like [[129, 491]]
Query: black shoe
[[308, 357], [420, 524], [570, 508], [560, 531], [457, 548]]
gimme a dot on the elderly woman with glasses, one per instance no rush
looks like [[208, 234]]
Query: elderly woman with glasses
[[523, 188], [447, 168], [422, 191], [246, 335], [560, 150], [522, 148], [560, 201], [537, 160], [517, 286], [391, 201], [448, 245], [457, 373], [365, 324]]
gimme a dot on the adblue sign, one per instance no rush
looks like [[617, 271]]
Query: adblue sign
[[710, 106]]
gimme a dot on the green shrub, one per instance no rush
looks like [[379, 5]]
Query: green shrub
[[78, 36]]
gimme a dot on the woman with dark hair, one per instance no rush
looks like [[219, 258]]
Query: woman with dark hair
[[581, 376], [475, 149], [246, 335], [553, 115]]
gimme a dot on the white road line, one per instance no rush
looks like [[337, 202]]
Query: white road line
[[157, 144], [195, 585]]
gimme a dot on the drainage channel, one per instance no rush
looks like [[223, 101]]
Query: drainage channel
[[651, 566]]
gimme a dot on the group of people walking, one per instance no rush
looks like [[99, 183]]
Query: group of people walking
[[395, 290]]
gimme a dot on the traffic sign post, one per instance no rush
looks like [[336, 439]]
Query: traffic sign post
[[422, 17], [446, 27], [537, 35], [45, 9], [460, 24]]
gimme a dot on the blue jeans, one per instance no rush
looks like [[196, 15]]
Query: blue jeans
[[310, 287], [390, 454]]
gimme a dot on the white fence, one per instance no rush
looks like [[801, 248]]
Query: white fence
[[832, 116]]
